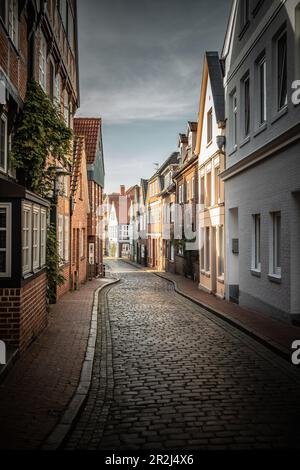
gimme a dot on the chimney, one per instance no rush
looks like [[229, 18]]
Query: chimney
[[122, 190]]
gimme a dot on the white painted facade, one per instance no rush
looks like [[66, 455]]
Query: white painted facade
[[262, 176], [211, 190]]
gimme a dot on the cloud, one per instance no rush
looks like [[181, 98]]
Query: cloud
[[142, 59]]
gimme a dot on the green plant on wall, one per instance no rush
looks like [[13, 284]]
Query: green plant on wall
[[55, 276], [41, 134]]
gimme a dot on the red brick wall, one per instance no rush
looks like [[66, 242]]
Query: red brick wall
[[65, 287], [23, 313], [15, 67]]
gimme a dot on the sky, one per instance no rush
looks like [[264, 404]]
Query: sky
[[140, 69]]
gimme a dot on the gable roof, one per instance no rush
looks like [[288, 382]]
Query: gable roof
[[212, 70], [89, 128], [229, 30], [144, 186]]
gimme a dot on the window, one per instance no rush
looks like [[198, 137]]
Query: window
[[209, 126], [180, 194], [221, 251], [5, 240], [262, 78], [171, 251], [256, 247], [36, 237], [208, 189], [43, 63], [217, 185], [207, 249], [60, 237], [13, 29], [71, 26], [82, 243], [3, 143], [66, 108], [282, 71], [246, 98], [244, 13], [172, 213], [43, 236], [234, 106], [202, 190], [57, 88], [26, 238], [188, 184], [276, 244], [193, 187], [66, 238], [202, 241]]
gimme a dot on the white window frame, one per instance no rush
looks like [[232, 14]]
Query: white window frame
[[279, 107], [262, 86], [246, 102], [27, 208], [208, 191], [207, 257], [13, 21], [43, 62], [217, 185], [81, 243], [221, 252], [8, 208], [66, 108], [36, 242], [66, 238], [43, 236], [275, 270], [256, 243], [234, 119], [58, 88], [4, 119], [193, 187], [202, 249], [188, 186]]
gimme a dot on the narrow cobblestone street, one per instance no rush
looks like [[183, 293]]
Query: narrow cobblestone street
[[167, 374]]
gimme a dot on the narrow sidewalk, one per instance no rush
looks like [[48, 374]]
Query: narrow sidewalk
[[37, 390], [276, 335]]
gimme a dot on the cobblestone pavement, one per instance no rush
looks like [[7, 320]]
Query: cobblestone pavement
[[168, 375]]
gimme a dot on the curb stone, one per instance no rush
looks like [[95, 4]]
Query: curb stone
[[64, 426]]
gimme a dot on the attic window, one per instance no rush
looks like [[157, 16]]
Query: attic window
[[209, 126]]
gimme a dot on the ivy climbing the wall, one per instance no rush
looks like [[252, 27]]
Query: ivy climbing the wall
[[41, 137]]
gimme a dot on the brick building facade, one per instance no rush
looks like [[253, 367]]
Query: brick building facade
[[38, 41], [91, 130]]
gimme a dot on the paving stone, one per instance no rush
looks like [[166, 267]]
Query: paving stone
[[174, 378]]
